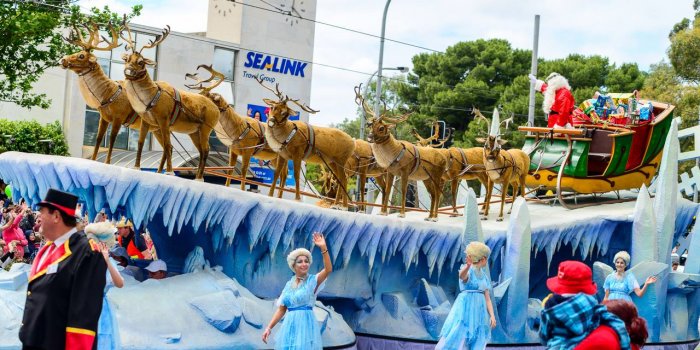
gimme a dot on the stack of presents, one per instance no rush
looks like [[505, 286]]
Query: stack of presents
[[614, 108]]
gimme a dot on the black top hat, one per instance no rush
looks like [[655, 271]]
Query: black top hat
[[63, 201]]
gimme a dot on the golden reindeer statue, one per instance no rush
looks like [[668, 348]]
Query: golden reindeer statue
[[403, 159], [507, 168], [165, 108], [462, 163], [101, 93], [299, 141], [244, 136]]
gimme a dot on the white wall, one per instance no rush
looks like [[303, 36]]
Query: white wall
[[270, 33]]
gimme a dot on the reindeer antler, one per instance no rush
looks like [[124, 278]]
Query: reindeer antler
[[507, 121], [130, 44], [478, 116], [216, 77], [110, 44], [304, 107], [277, 91], [397, 120], [151, 44], [360, 100], [445, 139]]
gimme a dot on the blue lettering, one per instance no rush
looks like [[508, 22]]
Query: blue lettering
[[275, 64], [267, 63], [290, 67], [300, 69], [249, 59], [256, 62]]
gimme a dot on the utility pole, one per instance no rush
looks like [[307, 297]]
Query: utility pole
[[533, 71], [697, 164]]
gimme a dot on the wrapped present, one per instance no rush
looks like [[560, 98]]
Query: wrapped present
[[646, 112], [618, 119]]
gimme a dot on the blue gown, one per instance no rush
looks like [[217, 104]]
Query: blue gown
[[299, 330], [105, 326], [620, 288], [467, 325]]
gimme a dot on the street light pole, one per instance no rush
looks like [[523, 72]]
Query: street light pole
[[381, 60], [364, 95]]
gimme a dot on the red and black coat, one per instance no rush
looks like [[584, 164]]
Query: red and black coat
[[64, 302]]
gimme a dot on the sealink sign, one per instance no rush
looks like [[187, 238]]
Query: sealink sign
[[275, 64]]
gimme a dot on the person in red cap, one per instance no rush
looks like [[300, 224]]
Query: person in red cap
[[66, 282], [572, 317]]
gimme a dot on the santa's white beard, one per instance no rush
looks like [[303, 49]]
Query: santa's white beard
[[553, 85]]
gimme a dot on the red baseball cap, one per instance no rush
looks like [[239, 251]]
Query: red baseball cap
[[573, 277]]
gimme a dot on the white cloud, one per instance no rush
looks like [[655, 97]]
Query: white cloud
[[624, 31]]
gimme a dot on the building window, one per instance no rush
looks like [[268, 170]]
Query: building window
[[113, 66], [223, 62]]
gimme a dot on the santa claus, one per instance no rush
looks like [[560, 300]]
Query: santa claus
[[558, 101]]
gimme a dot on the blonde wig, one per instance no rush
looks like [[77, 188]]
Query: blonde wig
[[292, 257], [477, 251], [625, 256], [102, 232]]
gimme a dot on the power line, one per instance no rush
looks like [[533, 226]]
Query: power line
[[288, 13]]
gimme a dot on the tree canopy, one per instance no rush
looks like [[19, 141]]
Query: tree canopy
[[32, 137], [33, 42]]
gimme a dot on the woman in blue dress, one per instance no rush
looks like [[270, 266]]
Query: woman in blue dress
[[299, 330], [103, 235], [619, 284], [468, 325]]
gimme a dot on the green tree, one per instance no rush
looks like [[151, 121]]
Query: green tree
[[684, 51], [32, 137], [32, 42]]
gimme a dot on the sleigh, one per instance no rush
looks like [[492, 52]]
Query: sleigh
[[597, 158]]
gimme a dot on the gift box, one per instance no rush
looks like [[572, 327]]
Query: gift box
[[646, 112], [618, 119]]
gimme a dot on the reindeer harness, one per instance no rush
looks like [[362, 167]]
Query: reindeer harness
[[130, 119], [246, 131], [177, 105], [310, 141], [416, 156]]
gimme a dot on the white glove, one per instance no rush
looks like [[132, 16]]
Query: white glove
[[532, 78]]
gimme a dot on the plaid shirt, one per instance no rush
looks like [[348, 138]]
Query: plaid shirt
[[565, 325]]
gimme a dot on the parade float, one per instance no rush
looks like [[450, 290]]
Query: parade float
[[394, 278]]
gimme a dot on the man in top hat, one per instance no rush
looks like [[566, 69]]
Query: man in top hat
[[66, 282], [572, 318], [558, 101], [135, 245]]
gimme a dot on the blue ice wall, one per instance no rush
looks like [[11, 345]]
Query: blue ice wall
[[392, 277]]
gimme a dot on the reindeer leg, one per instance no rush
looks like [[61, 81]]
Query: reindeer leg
[[438, 194], [283, 178], [342, 185], [387, 193], [161, 141], [454, 186], [232, 159], [487, 199], [297, 171], [244, 169], [361, 188], [504, 193], [404, 188], [278, 164], [101, 130], [515, 195], [143, 132], [116, 126], [430, 186], [198, 145]]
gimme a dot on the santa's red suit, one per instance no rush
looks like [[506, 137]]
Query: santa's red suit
[[558, 101]]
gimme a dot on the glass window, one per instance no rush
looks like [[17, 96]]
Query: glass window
[[225, 89], [104, 63], [122, 138], [223, 62], [92, 122], [216, 145], [116, 72], [134, 141]]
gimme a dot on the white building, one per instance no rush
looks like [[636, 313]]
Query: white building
[[242, 41]]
